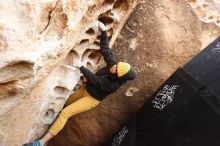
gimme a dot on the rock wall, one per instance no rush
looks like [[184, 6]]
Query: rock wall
[[40, 42], [207, 10], [159, 37]]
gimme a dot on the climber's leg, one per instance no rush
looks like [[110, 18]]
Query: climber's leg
[[77, 107], [75, 96], [72, 98], [35, 143], [81, 105], [48, 136]]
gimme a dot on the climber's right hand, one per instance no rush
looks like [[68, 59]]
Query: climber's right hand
[[102, 26], [73, 67], [77, 66]]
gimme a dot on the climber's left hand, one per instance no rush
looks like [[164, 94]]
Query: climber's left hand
[[102, 26]]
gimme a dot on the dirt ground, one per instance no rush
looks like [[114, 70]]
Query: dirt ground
[[159, 37]]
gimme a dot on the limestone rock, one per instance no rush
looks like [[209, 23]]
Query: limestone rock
[[159, 37], [41, 41], [130, 91], [207, 10]]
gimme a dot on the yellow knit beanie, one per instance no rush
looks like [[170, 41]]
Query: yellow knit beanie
[[123, 68]]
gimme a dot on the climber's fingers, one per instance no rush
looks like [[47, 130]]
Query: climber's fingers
[[74, 68], [102, 26]]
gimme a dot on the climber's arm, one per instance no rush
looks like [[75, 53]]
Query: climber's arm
[[101, 82], [104, 45], [106, 52], [103, 71]]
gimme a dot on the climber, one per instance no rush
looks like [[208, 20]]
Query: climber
[[107, 80]]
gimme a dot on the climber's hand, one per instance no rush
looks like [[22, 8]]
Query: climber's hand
[[69, 67], [77, 65], [102, 26], [73, 67]]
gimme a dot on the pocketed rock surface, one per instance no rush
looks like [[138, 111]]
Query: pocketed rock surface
[[159, 37], [42, 40]]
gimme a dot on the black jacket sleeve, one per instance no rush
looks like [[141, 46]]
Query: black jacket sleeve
[[100, 82], [103, 71], [106, 52]]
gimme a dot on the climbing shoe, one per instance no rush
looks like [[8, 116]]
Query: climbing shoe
[[35, 143]]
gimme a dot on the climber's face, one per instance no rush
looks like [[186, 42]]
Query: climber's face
[[113, 69]]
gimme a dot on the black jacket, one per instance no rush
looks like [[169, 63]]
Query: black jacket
[[103, 83]]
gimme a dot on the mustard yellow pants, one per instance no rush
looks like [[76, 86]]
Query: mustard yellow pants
[[78, 102]]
